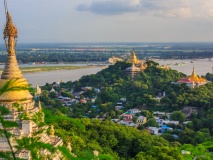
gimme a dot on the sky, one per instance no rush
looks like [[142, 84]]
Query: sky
[[111, 20]]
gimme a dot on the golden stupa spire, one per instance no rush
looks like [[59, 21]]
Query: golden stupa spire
[[133, 58], [194, 76], [12, 74], [133, 54], [10, 34], [11, 70]]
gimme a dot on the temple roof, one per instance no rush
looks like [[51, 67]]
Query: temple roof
[[193, 78], [186, 80]]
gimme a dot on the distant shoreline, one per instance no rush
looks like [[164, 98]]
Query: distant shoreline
[[49, 68]]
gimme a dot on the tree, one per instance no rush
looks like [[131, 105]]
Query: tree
[[178, 116], [151, 122], [52, 95]]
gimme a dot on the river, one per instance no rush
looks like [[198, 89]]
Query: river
[[41, 78], [202, 66]]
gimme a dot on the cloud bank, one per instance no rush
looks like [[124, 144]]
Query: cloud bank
[[110, 7], [162, 8]]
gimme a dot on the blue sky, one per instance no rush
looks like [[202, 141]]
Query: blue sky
[[111, 20]]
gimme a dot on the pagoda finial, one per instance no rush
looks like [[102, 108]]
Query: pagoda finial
[[193, 71], [194, 76], [10, 34], [39, 105]]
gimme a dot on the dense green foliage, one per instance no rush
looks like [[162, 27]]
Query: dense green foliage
[[140, 93], [209, 76], [119, 142], [116, 140], [124, 142]]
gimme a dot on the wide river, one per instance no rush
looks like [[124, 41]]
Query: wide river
[[202, 66], [41, 78]]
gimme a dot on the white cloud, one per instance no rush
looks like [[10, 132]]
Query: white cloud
[[208, 7], [110, 7], [163, 8]]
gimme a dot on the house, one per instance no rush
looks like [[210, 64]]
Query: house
[[93, 106], [93, 100], [162, 122], [69, 103], [185, 152], [159, 113], [127, 123], [83, 101], [86, 88], [134, 111], [119, 103], [165, 128], [127, 117], [123, 99], [153, 130], [118, 107], [97, 90], [64, 98], [141, 120]]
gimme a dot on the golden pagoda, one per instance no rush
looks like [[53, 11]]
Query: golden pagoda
[[133, 58], [193, 80], [17, 89], [15, 96], [137, 65]]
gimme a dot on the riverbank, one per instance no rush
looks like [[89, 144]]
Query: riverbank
[[49, 68]]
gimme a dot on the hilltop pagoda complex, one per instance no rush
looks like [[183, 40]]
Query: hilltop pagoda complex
[[16, 98], [137, 65], [193, 80]]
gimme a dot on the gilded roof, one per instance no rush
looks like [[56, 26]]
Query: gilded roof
[[195, 78], [15, 90], [14, 86]]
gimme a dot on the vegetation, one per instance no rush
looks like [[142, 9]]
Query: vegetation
[[99, 52], [114, 141], [118, 141]]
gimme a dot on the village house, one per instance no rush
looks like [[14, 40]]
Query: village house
[[134, 111], [127, 117], [118, 107], [141, 120]]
